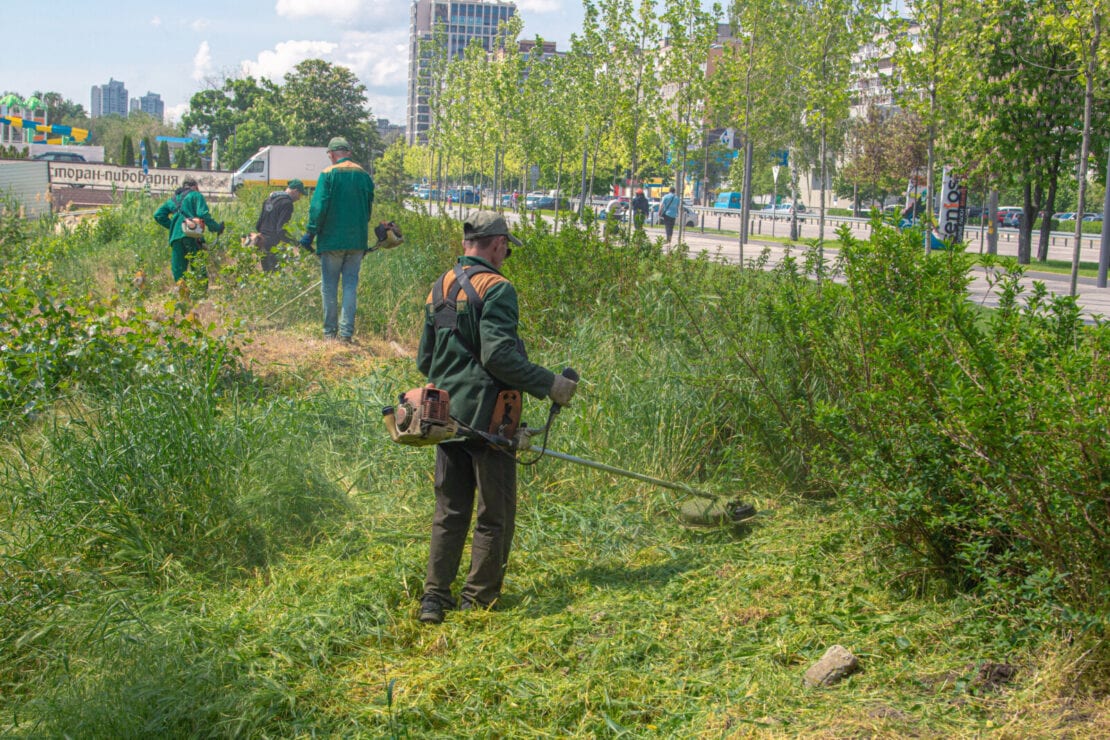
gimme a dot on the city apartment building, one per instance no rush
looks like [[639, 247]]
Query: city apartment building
[[109, 100], [151, 104]]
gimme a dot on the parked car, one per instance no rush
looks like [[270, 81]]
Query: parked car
[[539, 202], [787, 209], [1064, 216], [1011, 219], [689, 215], [59, 157], [1093, 217], [463, 195], [1004, 211]]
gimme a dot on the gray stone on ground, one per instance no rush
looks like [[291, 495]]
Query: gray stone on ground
[[835, 664]]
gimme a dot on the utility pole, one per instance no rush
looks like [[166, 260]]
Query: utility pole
[[1104, 249]]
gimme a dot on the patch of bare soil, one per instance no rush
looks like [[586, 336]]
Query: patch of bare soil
[[283, 356], [278, 355]]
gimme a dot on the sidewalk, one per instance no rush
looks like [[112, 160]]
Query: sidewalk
[[1094, 301]]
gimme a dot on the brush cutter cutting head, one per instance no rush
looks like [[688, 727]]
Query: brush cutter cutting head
[[715, 513]]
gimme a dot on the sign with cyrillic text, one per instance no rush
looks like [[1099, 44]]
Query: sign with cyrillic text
[[108, 176]]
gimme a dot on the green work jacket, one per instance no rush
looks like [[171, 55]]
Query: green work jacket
[[190, 205], [339, 215], [450, 359]]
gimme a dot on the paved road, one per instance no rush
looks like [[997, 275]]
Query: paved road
[[1094, 301]]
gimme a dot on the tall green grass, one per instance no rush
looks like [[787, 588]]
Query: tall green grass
[[187, 552]]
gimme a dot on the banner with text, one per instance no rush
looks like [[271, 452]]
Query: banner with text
[[953, 206], [107, 176]]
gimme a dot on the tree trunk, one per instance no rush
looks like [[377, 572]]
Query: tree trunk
[[1025, 228], [992, 223], [1049, 208], [585, 164], [1085, 147]]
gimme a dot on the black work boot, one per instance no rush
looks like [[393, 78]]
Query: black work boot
[[431, 609]]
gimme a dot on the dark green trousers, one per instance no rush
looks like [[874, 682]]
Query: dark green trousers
[[469, 472], [183, 251]]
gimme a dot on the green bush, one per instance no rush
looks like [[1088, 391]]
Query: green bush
[[972, 442]]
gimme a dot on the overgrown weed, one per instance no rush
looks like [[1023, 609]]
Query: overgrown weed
[[194, 553]]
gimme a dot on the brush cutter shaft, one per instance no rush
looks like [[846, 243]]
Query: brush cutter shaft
[[626, 473]]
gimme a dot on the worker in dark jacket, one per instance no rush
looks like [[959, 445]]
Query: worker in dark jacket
[[186, 205], [339, 221], [474, 353], [270, 227]]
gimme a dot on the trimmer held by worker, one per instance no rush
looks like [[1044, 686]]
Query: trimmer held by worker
[[422, 417], [471, 351]]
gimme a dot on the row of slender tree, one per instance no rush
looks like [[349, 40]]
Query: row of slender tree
[[1015, 94], [1012, 93]]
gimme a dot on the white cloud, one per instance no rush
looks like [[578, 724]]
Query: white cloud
[[379, 59], [174, 113], [155, 21], [202, 62], [200, 24], [339, 11], [539, 6], [273, 64], [388, 106]]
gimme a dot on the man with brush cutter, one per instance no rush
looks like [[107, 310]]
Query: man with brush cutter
[[270, 227], [339, 222], [470, 349], [185, 215]]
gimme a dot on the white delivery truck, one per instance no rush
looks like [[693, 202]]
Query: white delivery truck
[[277, 165]]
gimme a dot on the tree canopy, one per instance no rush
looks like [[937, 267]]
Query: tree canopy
[[316, 101]]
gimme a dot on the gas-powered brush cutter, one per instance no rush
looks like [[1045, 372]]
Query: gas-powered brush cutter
[[422, 417]]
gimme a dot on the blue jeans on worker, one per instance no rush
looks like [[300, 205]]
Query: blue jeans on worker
[[335, 266]]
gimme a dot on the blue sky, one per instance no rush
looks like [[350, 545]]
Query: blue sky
[[68, 46], [179, 49]]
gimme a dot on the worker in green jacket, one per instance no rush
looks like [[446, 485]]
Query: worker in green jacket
[[186, 204], [339, 221], [470, 348]]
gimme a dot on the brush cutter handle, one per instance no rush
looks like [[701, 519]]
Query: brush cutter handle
[[565, 385]]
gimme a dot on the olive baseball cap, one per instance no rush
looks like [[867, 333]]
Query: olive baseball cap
[[297, 185], [480, 224], [337, 143]]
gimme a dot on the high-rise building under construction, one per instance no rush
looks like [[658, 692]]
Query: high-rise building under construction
[[442, 29]]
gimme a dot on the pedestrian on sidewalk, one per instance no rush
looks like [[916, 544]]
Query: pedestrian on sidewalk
[[668, 211]]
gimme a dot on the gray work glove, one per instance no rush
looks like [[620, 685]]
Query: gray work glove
[[562, 390]]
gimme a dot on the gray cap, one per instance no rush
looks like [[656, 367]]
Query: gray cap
[[338, 143], [480, 224]]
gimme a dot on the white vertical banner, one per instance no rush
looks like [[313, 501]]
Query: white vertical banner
[[953, 206]]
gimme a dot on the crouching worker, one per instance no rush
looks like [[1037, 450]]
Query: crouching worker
[[270, 226], [470, 349]]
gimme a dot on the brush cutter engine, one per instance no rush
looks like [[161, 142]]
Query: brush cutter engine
[[421, 417]]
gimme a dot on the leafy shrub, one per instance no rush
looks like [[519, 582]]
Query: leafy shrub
[[973, 443]]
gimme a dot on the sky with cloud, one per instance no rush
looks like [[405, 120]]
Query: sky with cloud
[[176, 51]]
